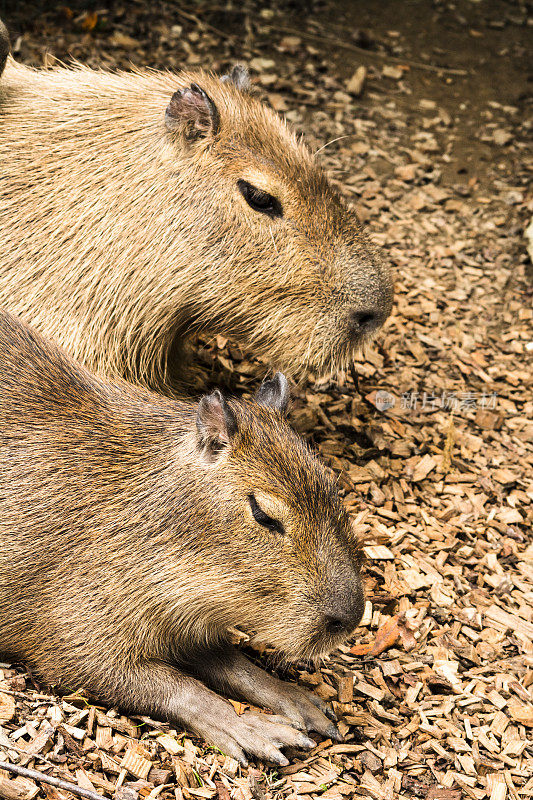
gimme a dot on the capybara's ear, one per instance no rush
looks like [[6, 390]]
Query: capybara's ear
[[216, 425], [4, 46], [274, 393], [192, 113], [239, 77]]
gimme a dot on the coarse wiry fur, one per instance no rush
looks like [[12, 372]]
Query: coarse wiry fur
[[119, 237], [123, 546]]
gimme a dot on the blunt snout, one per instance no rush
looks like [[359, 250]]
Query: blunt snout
[[368, 296]]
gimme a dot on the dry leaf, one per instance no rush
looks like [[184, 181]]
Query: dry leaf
[[386, 637], [240, 708], [89, 23]]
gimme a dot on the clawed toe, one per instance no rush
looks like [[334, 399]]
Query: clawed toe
[[333, 733], [315, 713]]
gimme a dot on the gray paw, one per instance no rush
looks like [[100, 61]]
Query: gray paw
[[305, 710], [258, 735]]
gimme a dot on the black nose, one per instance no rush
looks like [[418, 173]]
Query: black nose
[[344, 609], [360, 322], [339, 624]]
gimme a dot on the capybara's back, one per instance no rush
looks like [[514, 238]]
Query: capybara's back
[[55, 480], [136, 208]]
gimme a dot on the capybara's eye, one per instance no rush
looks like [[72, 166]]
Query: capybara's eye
[[260, 200], [262, 518]]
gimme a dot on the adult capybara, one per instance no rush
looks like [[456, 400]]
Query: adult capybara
[[134, 529], [136, 208]]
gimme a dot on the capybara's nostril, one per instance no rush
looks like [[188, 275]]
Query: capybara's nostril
[[367, 320], [336, 625], [360, 322]]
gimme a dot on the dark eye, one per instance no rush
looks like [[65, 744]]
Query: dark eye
[[259, 200], [262, 518]]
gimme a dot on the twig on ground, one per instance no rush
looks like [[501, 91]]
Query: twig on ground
[[35, 775]]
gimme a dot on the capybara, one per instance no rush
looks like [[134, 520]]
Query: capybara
[[139, 207], [134, 529]]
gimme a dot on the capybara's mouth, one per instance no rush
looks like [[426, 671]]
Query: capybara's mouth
[[310, 648], [342, 355]]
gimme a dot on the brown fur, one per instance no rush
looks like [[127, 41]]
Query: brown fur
[[127, 545], [120, 236]]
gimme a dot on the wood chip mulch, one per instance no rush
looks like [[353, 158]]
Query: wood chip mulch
[[430, 434]]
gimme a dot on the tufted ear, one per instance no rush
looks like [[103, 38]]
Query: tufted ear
[[239, 77], [274, 393], [215, 424], [4, 46], [192, 113]]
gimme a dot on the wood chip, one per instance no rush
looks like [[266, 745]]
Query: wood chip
[[171, 744], [378, 553], [7, 707], [136, 761], [370, 691], [506, 621], [344, 688], [522, 713]]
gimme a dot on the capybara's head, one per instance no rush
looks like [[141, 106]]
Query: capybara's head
[[287, 557], [288, 270]]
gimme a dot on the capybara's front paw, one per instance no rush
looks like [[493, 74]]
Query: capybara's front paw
[[259, 735], [305, 710]]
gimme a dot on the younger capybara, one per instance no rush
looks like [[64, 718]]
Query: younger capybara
[[137, 208], [134, 529]]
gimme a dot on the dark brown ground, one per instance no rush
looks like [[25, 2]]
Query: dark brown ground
[[436, 161]]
